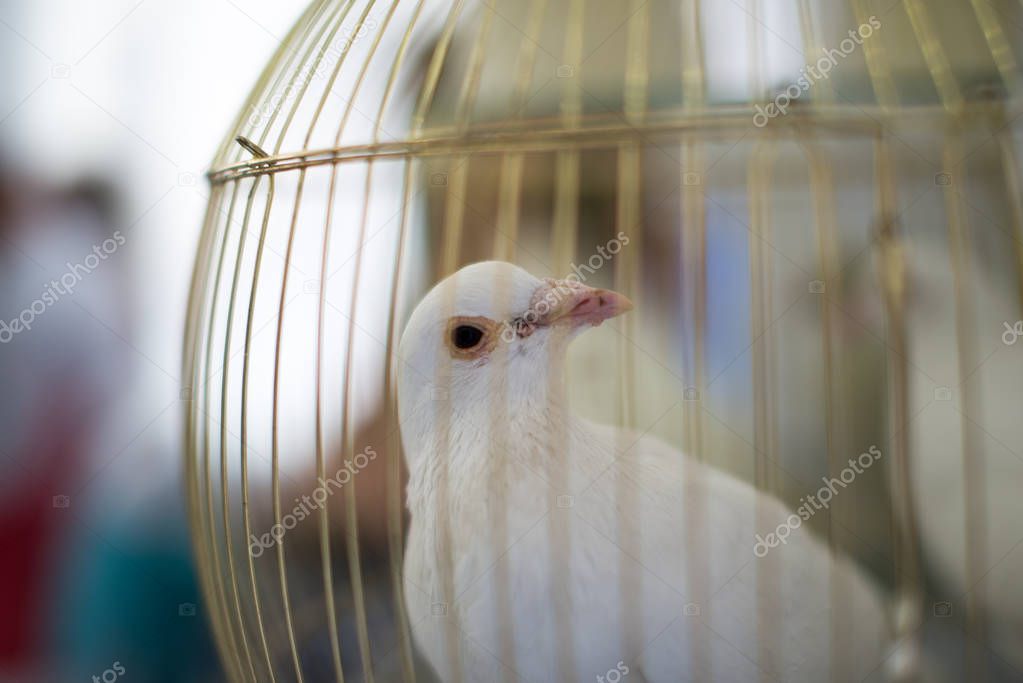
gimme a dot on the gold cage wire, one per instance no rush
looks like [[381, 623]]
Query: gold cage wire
[[390, 142]]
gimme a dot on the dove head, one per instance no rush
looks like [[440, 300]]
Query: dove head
[[491, 332]]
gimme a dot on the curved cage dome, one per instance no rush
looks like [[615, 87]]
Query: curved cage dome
[[764, 179]]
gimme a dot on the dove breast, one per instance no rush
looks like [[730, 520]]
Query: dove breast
[[629, 584]]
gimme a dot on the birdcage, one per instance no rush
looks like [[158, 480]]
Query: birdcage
[[816, 208]]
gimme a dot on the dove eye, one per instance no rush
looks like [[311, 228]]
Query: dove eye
[[466, 336], [470, 337]]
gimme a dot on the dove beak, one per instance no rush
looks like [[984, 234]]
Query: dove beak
[[576, 304]]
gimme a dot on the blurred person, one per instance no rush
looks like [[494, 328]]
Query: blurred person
[[49, 404], [88, 590]]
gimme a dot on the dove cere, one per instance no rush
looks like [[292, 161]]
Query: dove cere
[[558, 293]]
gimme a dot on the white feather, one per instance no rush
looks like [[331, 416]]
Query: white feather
[[598, 523]]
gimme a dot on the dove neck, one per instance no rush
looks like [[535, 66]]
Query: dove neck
[[461, 447]]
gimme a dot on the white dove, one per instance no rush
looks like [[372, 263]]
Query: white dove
[[543, 547]]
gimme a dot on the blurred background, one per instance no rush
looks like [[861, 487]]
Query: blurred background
[[109, 116], [111, 113]]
